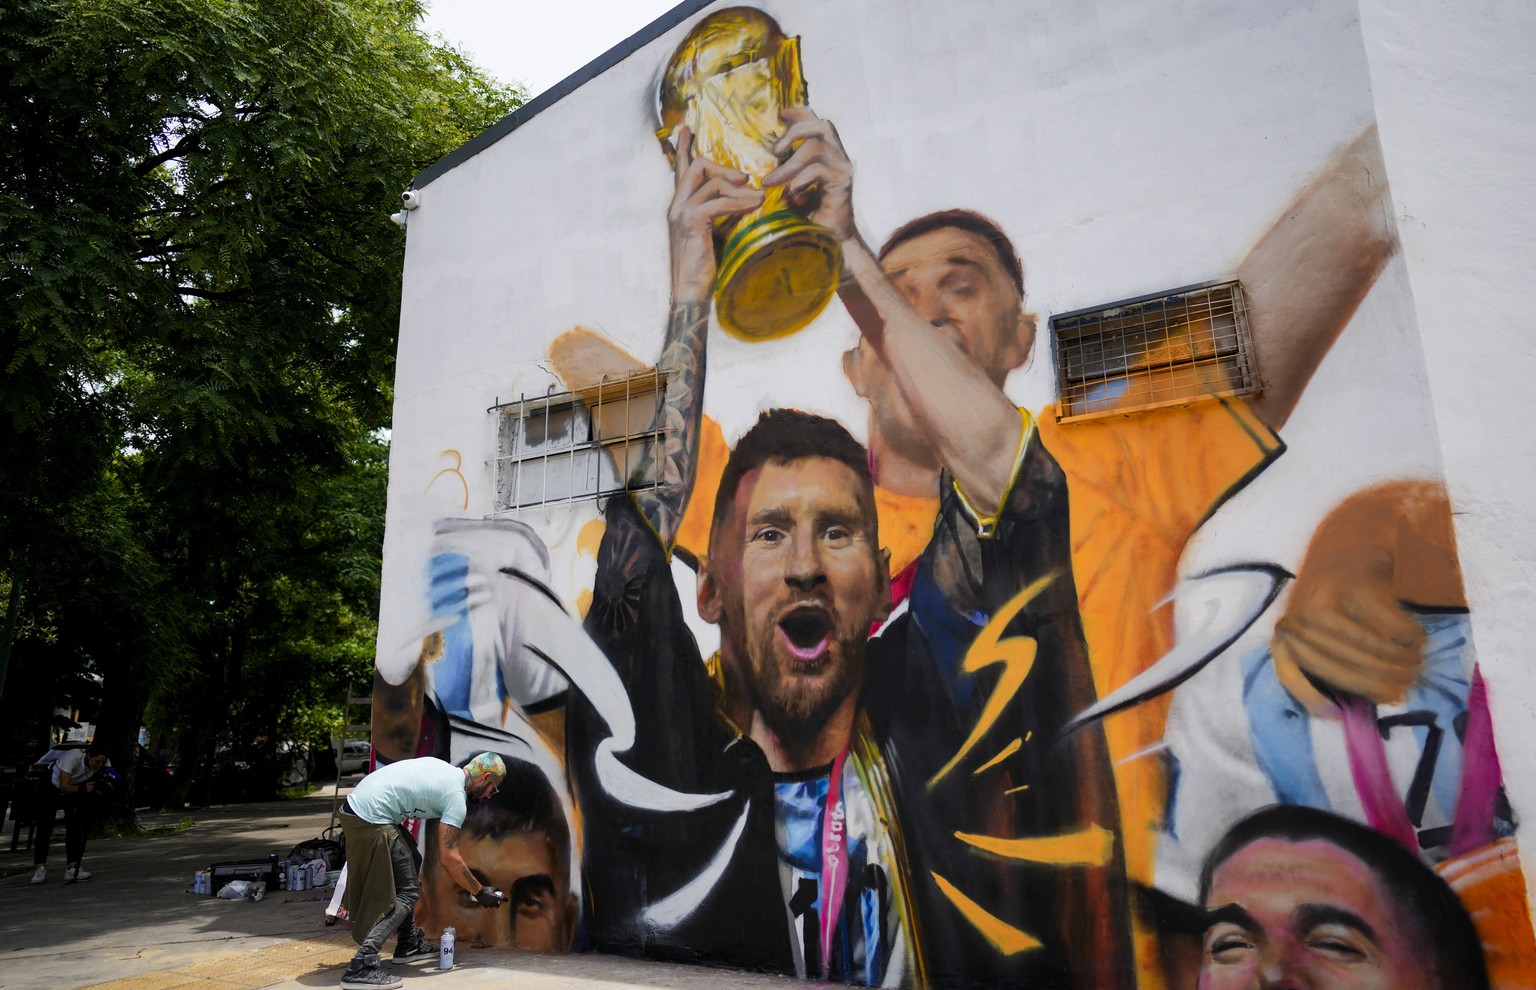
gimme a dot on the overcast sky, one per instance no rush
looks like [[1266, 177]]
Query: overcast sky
[[539, 42]]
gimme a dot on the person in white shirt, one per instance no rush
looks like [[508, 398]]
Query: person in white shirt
[[71, 786], [382, 863]]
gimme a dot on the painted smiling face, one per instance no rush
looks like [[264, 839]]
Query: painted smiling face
[[794, 583], [1307, 914]]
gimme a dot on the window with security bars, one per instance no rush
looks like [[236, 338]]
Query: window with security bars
[[576, 446], [1157, 350]]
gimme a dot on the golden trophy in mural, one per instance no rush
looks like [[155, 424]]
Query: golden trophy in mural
[[727, 82]]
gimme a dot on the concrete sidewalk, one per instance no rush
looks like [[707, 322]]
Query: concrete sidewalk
[[137, 926]]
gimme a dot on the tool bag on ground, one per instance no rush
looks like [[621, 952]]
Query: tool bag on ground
[[333, 851]]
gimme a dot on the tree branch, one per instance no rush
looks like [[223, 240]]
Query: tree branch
[[230, 296], [190, 142]]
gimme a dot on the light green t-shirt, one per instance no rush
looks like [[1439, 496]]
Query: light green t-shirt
[[420, 788]]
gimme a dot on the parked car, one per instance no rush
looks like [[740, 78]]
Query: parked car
[[151, 780], [355, 754]]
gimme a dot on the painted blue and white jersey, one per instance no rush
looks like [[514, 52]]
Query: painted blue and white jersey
[[868, 947], [1222, 768]]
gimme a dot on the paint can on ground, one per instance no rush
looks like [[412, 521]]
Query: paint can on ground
[[445, 948]]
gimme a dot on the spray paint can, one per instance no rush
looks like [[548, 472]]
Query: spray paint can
[[445, 948]]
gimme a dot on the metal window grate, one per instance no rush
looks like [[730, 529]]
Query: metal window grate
[[577, 446], [1166, 349]]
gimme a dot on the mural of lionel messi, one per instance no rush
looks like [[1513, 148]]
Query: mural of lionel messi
[[853, 809]]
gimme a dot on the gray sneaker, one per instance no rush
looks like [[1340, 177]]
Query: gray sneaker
[[369, 975], [413, 946]]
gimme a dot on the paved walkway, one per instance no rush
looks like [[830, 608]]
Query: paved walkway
[[137, 926]]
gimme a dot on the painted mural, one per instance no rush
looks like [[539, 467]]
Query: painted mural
[[932, 686]]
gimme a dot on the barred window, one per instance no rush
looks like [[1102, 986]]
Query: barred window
[[1158, 350], [576, 446]]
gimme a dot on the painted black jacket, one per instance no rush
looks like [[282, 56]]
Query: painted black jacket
[[919, 709]]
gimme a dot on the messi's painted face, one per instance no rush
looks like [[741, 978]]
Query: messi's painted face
[[794, 580]]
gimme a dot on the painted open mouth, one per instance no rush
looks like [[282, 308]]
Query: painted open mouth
[[806, 631]]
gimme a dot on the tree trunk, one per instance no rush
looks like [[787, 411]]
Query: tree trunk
[[194, 742], [199, 747], [124, 697], [12, 614]]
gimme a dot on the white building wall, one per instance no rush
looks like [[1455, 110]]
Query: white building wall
[[1123, 149], [1126, 147], [1454, 91]]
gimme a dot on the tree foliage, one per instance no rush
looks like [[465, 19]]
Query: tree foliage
[[197, 322]]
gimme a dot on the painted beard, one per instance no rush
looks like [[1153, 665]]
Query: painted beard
[[796, 697]]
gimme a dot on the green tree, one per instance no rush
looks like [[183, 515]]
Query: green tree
[[197, 325]]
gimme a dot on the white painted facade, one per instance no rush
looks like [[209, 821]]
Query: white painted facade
[[1453, 90], [1126, 147]]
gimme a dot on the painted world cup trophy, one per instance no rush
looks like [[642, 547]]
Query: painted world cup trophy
[[727, 81]]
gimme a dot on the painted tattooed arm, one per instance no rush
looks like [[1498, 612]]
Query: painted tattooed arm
[[671, 461], [704, 192]]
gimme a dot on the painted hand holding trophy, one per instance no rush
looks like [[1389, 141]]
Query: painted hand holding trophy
[[728, 81]]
